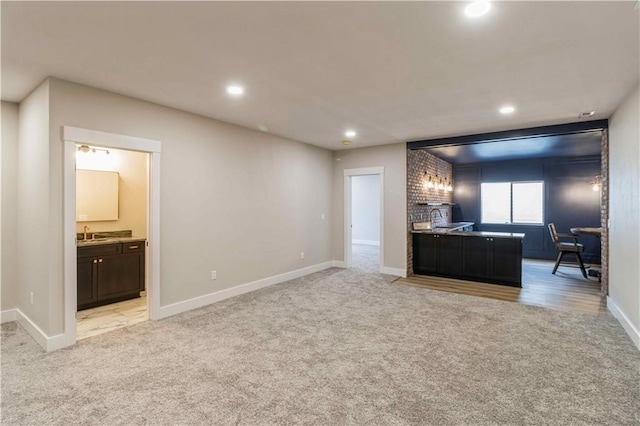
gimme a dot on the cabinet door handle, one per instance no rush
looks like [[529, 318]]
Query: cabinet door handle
[[133, 247], [95, 260], [100, 260]]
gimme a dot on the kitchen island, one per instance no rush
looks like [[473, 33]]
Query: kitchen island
[[490, 257]]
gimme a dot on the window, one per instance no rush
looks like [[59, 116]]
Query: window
[[512, 202]]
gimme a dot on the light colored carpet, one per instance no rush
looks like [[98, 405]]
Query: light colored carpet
[[336, 347], [365, 258]]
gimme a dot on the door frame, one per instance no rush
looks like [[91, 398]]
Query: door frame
[[348, 175], [75, 135]]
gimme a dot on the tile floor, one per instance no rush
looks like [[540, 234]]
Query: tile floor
[[103, 319]]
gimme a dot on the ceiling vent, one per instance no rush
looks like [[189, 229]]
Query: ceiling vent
[[586, 114]]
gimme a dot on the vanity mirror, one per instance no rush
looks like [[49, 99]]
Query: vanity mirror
[[96, 195]]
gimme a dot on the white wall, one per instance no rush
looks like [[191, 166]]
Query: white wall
[[239, 201], [365, 209], [624, 232], [8, 212], [132, 191], [37, 266], [394, 160]]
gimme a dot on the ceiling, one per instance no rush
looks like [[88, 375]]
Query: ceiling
[[567, 145], [392, 71]]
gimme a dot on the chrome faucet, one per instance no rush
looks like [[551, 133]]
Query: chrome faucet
[[86, 228], [431, 216]]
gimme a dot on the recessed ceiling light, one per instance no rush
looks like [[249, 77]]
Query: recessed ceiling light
[[586, 114], [350, 133], [477, 9], [346, 143], [507, 109], [235, 90]]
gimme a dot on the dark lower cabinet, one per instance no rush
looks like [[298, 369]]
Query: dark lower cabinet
[[425, 253], [87, 280], [437, 253], [451, 247], [110, 273], [476, 258], [506, 262]]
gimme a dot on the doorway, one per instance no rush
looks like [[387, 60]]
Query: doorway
[[150, 150], [364, 226], [111, 226]]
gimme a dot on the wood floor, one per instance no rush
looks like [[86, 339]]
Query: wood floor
[[566, 290], [95, 321]]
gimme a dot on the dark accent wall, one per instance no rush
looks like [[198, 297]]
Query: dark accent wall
[[569, 199]]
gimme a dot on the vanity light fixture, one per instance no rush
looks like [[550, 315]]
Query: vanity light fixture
[[86, 149], [596, 183], [477, 9]]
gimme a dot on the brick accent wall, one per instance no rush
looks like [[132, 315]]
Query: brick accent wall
[[604, 214], [419, 162]]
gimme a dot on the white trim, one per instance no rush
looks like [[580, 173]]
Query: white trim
[[338, 264], [398, 272], [8, 315], [628, 326], [364, 171], [153, 237], [347, 220], [71, 136], [207, 299], [348, 174], [48, 343], [366, 242], [69, 247]]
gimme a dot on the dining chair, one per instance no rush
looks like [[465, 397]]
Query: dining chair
[[566, 247]]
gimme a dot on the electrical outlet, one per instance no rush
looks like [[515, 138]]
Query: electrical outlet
[[301, 255], [322, 216], [214, 275], [31, 297]]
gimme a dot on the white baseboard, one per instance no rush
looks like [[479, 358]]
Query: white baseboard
[[8, 316], [207, 299], [338, 264], [628, 326], [48, 343], [398, 272], [366, 242]]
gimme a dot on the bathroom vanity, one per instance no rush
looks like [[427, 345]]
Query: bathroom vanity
[[110, 270]]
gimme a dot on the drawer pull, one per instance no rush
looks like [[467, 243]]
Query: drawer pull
[[95, 260], [133, 247], [100, 260]]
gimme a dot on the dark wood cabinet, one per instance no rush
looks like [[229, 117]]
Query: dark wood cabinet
[[494, 260], [87, 280], [110, 273], [437, 253], [489, 259], [476, 258], [425, 253], [506, 261], [450, 254]]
